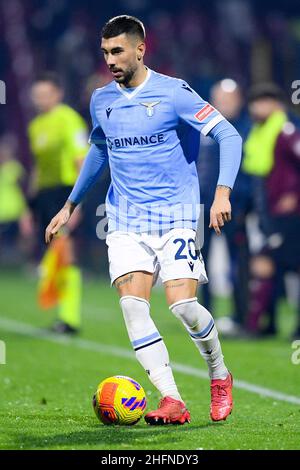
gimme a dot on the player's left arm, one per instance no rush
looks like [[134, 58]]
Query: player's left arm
[[198, 113], [230, 145]]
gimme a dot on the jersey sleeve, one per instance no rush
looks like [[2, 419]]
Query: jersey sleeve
[[91, 170], [97, 136], [195, 111], [230, 145]]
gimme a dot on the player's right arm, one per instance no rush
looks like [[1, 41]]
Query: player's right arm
[[92, 168]]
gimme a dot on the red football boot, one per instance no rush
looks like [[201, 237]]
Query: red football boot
[[221, 398], [170, 411]]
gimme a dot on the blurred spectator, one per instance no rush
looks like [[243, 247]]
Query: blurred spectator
[[272, 154], [226, 96]]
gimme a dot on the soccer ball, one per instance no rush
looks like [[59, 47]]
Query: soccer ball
[[119, 400]]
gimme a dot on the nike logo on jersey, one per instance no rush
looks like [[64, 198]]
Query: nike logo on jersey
[[108, 111], [186, 87], [150, 107], [191, 265], [208, 352]]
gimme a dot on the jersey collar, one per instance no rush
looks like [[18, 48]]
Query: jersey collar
[[138, 88]]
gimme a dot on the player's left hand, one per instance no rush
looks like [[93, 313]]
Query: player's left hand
[[220, 211]]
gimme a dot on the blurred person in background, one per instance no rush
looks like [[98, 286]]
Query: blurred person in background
[[272, 155], [12, 201], [226, 96], [58, 142]]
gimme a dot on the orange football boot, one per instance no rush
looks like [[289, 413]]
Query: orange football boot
[[170, 411], [221, 398]]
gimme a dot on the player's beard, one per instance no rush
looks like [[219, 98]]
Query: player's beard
[[127, 77]]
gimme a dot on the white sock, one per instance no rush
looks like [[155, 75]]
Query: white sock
[[201, 327], [149, 346]]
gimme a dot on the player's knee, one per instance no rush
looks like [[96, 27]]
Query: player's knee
[[135, 310], [195, 318], [187, 311]]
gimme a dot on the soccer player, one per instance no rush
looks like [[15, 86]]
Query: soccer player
[[58, 141], [145, 124]]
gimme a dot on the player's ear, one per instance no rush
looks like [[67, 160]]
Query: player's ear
[[141, 49]]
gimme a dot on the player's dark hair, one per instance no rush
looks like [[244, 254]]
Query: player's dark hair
[[50, 77], [123, 24], [266, 90]]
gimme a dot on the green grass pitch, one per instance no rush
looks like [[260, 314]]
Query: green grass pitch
[[47, 384]]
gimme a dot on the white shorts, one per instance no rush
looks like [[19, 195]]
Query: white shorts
[[171, 256]]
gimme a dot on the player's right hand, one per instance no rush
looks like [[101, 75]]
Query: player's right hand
[[57, 222]]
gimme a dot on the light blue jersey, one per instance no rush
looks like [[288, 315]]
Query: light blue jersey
[[150, 135]]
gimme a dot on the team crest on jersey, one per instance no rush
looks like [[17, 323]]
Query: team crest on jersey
[[150, 107]]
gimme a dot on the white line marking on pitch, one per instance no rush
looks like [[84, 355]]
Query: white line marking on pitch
[[39, 333]]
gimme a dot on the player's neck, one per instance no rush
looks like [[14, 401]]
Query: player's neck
[[138, 78]]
